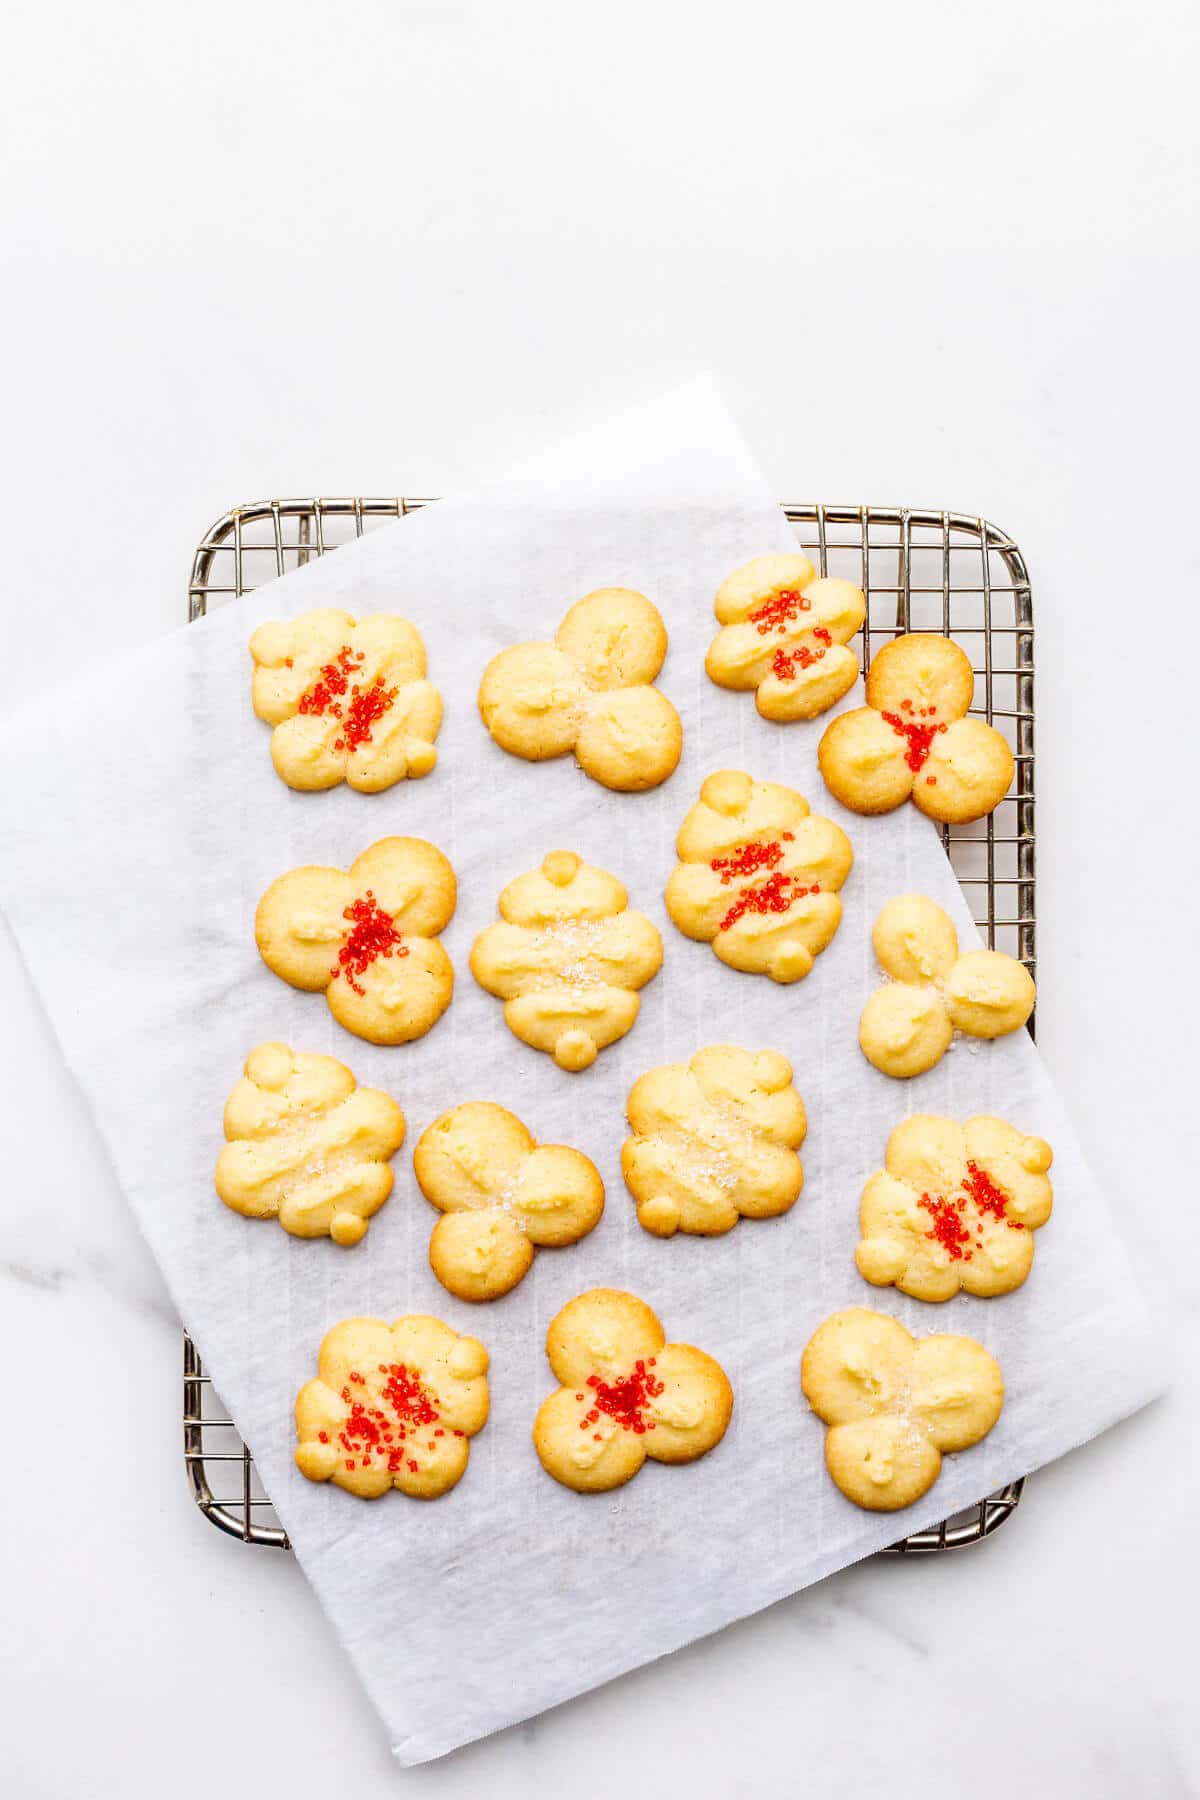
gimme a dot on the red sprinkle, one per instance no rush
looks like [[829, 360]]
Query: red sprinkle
[[381, 1430], [777, 613], [372, 934], [625, 1400], [948, 1228], [988, 1197], [325, 694], [751, 858], [949, 1224], [918, 737], [323, 1436], [785, 662], [775, 895], [365, 707]]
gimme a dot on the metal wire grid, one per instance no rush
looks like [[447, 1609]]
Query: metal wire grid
[[921, 571]]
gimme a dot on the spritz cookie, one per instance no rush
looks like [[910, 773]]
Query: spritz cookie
[[913, 738], [758, 876], [307, 1145], [907, 1025], [501, 1195], [366, 937], [567, 957], [348, 699], [895, 1404], [392, 1406], [714, 1141], [590, 691], [626, 1395], [786, 634], [955, 1206]]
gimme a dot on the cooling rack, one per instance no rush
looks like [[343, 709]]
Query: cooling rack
[[921, 571]]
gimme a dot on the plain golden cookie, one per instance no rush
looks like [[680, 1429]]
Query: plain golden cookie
[[366, 937], [913, 738], [895, 1404], [955, 1206], [933, 991], [785, 633], [567, 957], [348, 699], [590, 691], [714, 1140], [626, 1395], [307, 1145], [501, 1194], [392, 1406], [758, 876]]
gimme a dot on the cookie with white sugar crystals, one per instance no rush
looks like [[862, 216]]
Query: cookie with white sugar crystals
[[366, 937], [913, 739], [626, 1395], [591, 691], [894, 1404], [714, 1141], [785, 634], [955, 1207], [307, 1145], [758, 876], [392, 1406], [567, 957], [348, 699], [501, 1195], [908, 1024]]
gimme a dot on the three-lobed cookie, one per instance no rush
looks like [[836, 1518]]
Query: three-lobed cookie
[[625, 1394], [567, 957], [590, 691], [307, 1146], [894, 1405], [908, 1024], [501, 1194], [786, 633], [714, 1140], [348, 699], [955, 1207], [392, 1406], [913, 739], [366, 937], [758, 876]]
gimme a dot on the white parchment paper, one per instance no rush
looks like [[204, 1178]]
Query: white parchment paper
[[142, 820]]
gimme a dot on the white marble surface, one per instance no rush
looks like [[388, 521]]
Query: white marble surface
[[980, 294]]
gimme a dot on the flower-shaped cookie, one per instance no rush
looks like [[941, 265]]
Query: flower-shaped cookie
[[348, 699], [500, 1194], [758, 876], [366, 937], [567, 958], [590, 691], [392, 1406], [626, 1394], [786, 634], [895, 1404], [913, 738], [955, 1207], [307, 1146], [907, 1025], [715, 1140]]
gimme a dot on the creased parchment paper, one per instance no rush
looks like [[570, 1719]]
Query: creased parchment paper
[[142, 820]]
